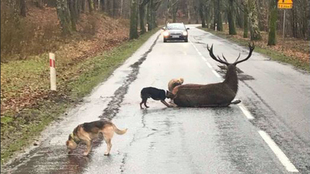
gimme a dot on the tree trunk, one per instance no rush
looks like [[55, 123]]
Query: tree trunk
[[208, 16], [201, 14], [219, 16], [174, 9], [22, 8], [272, 22], [245, 22], [107, 7], [189, 11], [38, 3], [73, 13], [91, 6], [142, 16], [82, 6], [64, 16], [133, 33], [254, 28], [218, 24], [239, 18], [122, 8], [230, 17]]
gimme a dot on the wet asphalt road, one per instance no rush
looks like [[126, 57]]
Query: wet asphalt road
[[186, 140]]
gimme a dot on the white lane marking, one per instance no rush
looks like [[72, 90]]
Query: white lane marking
[[208, 64], [278, 152], [246, 112]]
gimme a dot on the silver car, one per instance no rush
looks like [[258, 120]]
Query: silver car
[[175, 31]]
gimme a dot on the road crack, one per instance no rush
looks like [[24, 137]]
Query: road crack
[[113, 106]]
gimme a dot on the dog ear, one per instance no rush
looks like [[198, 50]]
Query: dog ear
[[181, 80]]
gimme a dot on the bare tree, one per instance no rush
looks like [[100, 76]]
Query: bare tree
[[254, 28], [201, 13], [133, 33], [272, 22], [230, 17], [64, 16], [22, 4], [142, 6]]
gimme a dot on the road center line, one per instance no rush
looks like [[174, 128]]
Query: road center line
[[205, 60], [278, 152], [246, 112]]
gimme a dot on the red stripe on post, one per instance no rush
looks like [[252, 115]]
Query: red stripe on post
[[52, 63]]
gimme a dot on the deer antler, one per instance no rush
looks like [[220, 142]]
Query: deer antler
[[218, 59], [251, 47]]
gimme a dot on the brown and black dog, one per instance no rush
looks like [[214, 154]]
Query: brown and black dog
[[155, 94], [175, 82], [86, 132]]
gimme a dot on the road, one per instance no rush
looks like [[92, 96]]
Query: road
[[268, 132]]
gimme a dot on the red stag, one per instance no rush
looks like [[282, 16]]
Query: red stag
[[211, 95]]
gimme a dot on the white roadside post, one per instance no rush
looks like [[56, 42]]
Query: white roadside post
[[52, 71]]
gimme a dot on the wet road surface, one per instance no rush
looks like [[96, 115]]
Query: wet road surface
[[186, 140]]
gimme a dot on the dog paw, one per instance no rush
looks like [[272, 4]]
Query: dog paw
[[85, 154], [106, 154]]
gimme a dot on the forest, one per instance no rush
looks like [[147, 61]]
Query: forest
[[21, 23]]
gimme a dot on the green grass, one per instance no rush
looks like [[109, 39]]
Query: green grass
[[274, 55], [21, 129]]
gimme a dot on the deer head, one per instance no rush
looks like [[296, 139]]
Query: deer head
[[231, 75], [224, 60]]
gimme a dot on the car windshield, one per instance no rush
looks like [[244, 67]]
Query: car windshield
[[175, 27]]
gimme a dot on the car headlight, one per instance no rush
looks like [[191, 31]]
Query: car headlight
[[166, 33], [184, 33]]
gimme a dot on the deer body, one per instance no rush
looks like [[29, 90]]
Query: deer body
[[210, 95]]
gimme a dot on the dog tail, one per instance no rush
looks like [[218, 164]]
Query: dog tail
[[118, 131]]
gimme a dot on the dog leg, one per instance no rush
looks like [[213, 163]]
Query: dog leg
[[141, 105], [165, 103], [88, 143], [145, 105], [108, 137]]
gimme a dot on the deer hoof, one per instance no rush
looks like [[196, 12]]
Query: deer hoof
[[236, 102]]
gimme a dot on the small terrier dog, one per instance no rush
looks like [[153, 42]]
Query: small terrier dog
[[155, 94], [86, 132]]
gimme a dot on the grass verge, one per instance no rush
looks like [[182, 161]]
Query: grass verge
[[19, 130], [274, 55]]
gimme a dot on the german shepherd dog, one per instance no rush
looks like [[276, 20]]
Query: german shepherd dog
[[86, 132], [155, 94], [175, 82]]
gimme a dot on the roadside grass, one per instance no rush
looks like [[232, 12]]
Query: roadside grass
[[268, 51], [74, 81]]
